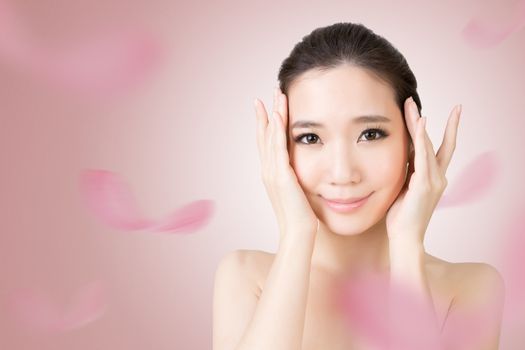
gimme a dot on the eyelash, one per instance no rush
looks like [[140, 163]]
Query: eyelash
[[375, 129]]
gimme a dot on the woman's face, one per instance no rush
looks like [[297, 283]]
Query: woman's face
[[346, 157]]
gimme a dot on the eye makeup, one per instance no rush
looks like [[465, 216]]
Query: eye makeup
[[377, 130]]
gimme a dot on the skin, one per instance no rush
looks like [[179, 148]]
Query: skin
[[383, 236], [341, 162]]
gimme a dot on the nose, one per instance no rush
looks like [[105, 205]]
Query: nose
[[344, 165]]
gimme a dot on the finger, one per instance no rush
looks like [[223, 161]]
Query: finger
[[275, 100], [262, 125], [281, 151], [446, 150], [283, 108], [411, 118], [283, 112], [421, 156], [270, 144], [434, 169]]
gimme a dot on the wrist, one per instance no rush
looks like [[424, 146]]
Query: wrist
[[406, 250], [406, 241], [297, 239]]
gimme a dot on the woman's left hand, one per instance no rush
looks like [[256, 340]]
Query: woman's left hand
[[409, 215]]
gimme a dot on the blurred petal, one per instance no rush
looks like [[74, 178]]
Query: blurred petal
[[188, 219], [41, 314], [473, 181], [483, 34], [87, 305], [366, 304], [364, 300], [111, 200], [514, 269], [105, 63], [35, 311], [13, 41], [99, 65]]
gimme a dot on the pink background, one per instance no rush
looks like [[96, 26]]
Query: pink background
[[185, 131]]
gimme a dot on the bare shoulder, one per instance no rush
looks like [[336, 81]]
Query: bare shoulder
[[235, 297], [472, 281], [251, 266]]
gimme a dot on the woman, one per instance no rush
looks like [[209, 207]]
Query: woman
[[353, 179]]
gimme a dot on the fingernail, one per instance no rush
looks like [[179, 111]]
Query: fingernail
[[255, 102]]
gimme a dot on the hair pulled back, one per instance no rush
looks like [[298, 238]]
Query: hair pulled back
[[350, 43]]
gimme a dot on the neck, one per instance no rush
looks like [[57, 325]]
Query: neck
[[347, 255]]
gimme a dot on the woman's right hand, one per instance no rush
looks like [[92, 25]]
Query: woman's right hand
[[294, 213]]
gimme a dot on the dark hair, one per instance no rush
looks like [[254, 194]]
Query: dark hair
[[328, 47]]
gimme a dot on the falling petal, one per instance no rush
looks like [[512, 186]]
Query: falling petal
[[514, 270], [102, 64], [473, 182], [40, 314], [14, 45], [365, 302], [34, 311], [110, 200], [482, 34], [98, 65], [88, 305], [188, 219]]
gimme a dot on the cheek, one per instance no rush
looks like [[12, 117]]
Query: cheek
[[389, 167], [304, 166]]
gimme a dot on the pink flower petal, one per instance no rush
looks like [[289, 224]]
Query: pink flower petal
[[473, 182], [99, 65], [41, 314], [87, 305], [35, 311], [482, 34], [365, 301], [104, 63], [514, 269], [188, 219], [111, 200]]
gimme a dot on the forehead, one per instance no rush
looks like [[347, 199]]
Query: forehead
[[340, 94]]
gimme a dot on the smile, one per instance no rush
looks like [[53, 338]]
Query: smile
[[346, 207]]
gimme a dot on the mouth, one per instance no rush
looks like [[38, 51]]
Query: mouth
[[346, 205]]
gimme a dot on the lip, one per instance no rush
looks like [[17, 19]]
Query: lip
[[348, 205]]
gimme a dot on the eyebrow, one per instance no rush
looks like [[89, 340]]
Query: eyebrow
[[358, 120]]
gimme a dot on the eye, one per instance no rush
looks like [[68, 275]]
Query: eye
[[312, 136], [371, 134]]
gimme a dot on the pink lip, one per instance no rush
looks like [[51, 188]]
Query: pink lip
[[345, 206]]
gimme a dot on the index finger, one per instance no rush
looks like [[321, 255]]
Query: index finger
[[262, 124], [445, 151]]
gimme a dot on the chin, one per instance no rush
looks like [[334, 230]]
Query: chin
[[354, 223], [347, 227]]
